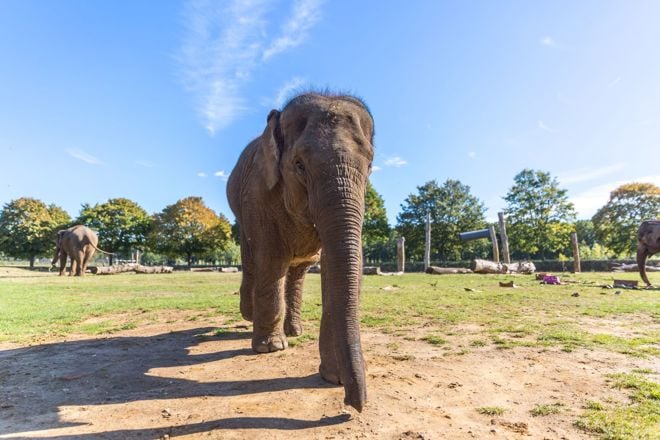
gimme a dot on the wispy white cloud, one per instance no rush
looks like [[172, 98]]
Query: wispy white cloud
[[544, 127], [287, 88], [145, 163], [587, 174], [221, 174], [548, 41], [472, 155], [614, 82], [83, 156], [589, 201], [395, 161], [225, 42], [201, 174], [305, 14], [375, 168]]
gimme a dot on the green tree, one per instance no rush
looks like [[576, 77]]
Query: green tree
[[617, 222], [585, 232], [453, 209], [122, 225], [28, 227], [540, 216], [375, 229], [189, 228]]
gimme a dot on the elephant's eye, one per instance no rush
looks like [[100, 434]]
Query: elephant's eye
[[300, 168]]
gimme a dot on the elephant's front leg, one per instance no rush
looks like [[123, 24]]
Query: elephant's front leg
[[62, 263], [269, 309], [294, 287]]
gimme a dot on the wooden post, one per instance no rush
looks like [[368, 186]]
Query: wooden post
[[505, 238], [576, 253], [401, 254], [427, 247], [493, 239]]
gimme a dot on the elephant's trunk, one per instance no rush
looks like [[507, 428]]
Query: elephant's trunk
[[642, 253], [341, 209], [55, 257]]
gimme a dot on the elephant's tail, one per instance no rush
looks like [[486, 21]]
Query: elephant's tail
[[101, 250]]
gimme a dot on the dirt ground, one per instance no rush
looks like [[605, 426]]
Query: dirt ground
[[182, 380]]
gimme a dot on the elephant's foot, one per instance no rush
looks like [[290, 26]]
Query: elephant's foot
[[269, 343], [330, 375], [292, 328]]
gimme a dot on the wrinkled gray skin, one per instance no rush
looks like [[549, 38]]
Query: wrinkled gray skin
[[78, 243], [648, 243], [299, 187]]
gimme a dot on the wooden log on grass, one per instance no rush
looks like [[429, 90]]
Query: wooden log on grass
[[485, 266], [131, 267], [435, 270]]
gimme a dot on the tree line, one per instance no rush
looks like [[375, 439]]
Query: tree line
[[539, 215], [187, 229]]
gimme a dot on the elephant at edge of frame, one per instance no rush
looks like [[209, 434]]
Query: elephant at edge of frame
[[295, 189], [79, 243], [648, 243]]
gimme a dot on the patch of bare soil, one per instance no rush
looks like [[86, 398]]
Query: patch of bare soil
[[181, 379]]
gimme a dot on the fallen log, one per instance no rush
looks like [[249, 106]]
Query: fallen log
[[435, 270], [485, 266], [622, 267], [131, 267], [371, 270]]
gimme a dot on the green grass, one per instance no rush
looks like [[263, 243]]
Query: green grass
[[38, 304], [491, 410], [637, 419], [542, 410]]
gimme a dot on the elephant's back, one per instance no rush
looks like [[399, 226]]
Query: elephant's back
[[83, 235], [237, 177]]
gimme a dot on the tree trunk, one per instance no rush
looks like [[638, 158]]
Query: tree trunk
[[32, 258]]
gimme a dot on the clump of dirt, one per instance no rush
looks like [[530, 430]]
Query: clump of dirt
[[190, 379]]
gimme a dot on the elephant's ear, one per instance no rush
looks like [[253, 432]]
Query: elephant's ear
[[268, 156]]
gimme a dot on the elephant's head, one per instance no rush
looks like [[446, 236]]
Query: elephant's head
[[58, 247], [648, 243], [319, 149]]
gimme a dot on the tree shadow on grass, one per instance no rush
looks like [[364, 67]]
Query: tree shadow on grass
[[35, 381]]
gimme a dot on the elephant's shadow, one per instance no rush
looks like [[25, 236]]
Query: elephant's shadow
[[39, 379]]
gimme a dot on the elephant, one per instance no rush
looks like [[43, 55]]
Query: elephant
[[648, 243], [78, 243], [295, 189]]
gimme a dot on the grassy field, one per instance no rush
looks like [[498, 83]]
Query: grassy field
[[37, 306]]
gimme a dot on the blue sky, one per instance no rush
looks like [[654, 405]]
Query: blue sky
[[154, 101]]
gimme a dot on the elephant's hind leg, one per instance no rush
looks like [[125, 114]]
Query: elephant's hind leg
[[89, 252], [247, 282], [269, 308], [294, 287]]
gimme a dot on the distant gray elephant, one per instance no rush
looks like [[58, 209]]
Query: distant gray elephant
[[648, 243], [78, 243]]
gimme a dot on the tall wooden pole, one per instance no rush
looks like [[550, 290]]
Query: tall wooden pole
[[505, 238], [576, 253], [427, 247], [400, 254], [493, 239]]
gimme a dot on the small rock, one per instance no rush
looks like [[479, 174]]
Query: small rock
[[166, 413], [618, 292], [575, 294]]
